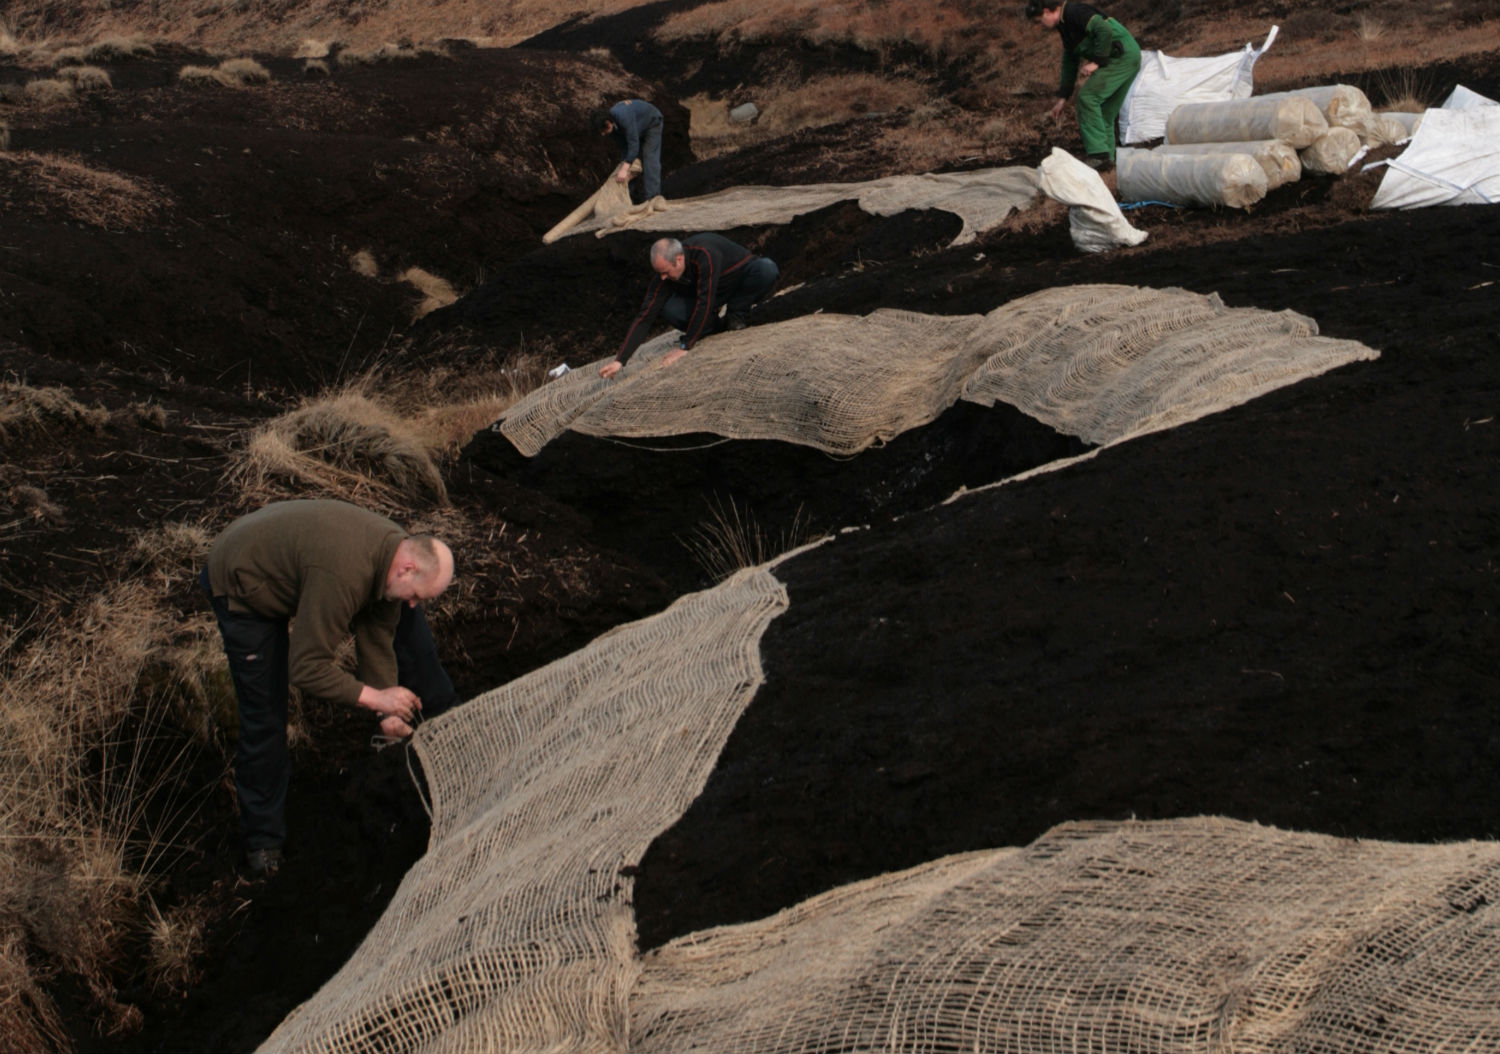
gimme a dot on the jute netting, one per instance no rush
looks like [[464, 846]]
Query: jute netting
[[514, 931], [981, 199], [1200, 935], [1101, 362]]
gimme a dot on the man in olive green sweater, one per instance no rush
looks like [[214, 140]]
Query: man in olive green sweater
[[288, 583]]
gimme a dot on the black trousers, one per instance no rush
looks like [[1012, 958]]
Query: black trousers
[[257, 650], [742, 290]]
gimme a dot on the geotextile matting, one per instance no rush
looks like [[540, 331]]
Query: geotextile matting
[[981, 199]]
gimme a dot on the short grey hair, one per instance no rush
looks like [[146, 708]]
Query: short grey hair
[[667, 249]]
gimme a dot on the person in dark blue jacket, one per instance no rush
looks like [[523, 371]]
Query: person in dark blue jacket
[[695, 278], [636, 126]]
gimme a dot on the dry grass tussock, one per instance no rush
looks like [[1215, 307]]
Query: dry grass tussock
[[28, 1017], [86, 78], [380, 441], [363, 263], [92, 802], [90, 195], [346, 445], [436, 291], [731, 539], [789, 107], [49, 91], [231, 73], [392, 53], [26, 409]]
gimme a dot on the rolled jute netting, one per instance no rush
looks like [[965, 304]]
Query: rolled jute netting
[[981, 199], [1102, 362], [514, 931], [1193, 935]]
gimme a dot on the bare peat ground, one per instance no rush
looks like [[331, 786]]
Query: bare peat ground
[[1283, 613]]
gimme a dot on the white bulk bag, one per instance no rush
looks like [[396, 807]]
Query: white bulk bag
[[1094, 220], [1235, 180], [1454, 159], [1166, 82]]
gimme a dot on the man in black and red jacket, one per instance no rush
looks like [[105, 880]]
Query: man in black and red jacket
[[695, 278]]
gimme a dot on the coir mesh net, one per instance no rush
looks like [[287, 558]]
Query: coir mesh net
[[515, 932], [981, 199], [1102, 362]]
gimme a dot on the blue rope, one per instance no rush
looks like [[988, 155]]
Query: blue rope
[[1143, 204]]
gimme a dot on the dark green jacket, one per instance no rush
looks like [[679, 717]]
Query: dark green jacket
[[322, 564], [1088, 35]]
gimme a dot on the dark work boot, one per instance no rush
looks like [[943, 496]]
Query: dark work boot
[[1099, 162], [263, 863]]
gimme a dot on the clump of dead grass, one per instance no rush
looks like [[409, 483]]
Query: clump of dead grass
[[730, 539], [49, 91], [27, 409], [91, 798], [231, 73], [791, 106], [391, 53], [436, 290], [90, 195], [118, 48], [29, 1019], [86, 78], [175, 945], [345, 445], [311, 48], [363, 263]]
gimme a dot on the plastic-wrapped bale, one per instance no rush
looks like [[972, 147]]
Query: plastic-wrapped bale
[[1332, 153], [1385, 131], [1342, 105], [1235, 180], [1295, 120], [1280, 161], [1409, 121]]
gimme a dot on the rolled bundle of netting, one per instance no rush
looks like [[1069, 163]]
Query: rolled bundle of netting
[[1343, 105], [1295, 120], [1279, 160], [1332, 152], [1408, 121], [1234, 180]]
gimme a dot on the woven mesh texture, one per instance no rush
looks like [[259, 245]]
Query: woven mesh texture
[[1199, 935], [1099, 362], [980, 199], [514, 931], [1107, 362]]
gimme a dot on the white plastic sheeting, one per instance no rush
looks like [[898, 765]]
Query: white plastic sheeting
[[1094, 220], [1166, 82], [1454, 159], [1235, 180], [1461, 98]]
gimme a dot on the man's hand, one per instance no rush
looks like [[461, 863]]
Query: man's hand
[[1056, 110], [1088, 68], [672, 356], [622, 174], [609, 369], [395, 701], [394, 728]]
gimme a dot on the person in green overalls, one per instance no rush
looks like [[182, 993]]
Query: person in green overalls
[[1101, 49]]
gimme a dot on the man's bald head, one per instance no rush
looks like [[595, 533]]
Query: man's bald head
[[421, 569]]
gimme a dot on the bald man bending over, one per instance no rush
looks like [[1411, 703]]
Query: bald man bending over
[[330, 569]]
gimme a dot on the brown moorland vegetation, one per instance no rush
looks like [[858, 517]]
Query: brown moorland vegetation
[[183, 337]]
